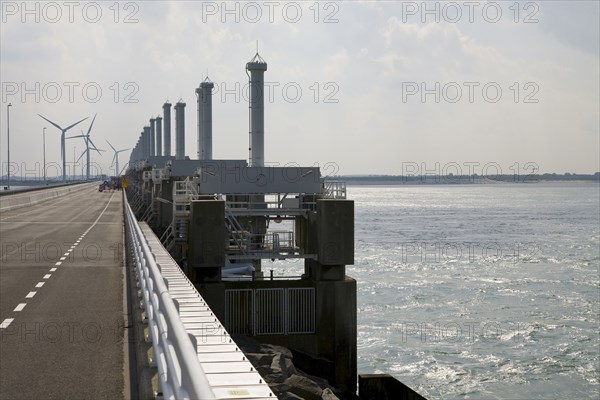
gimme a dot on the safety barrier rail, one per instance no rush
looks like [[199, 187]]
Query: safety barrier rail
[[20, 199], [335, 190], [180, 373]]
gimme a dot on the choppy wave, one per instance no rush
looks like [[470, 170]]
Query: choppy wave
[[512, 312]]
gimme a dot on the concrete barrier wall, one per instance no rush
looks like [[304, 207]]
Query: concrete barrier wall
[[18, 200]]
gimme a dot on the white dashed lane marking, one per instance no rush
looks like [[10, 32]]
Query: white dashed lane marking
[[6, 323], [30, 295]]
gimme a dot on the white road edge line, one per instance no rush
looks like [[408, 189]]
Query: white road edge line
[[20, 307], [30, 295], [39, 284]]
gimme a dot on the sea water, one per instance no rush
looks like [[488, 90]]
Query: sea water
[[480, 291]]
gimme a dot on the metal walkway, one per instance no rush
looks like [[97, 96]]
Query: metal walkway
[[229, 373]]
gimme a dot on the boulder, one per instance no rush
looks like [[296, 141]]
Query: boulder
[[327, 394], [275, 364], [304, 387]]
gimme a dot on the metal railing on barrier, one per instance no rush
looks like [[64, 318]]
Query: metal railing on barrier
[[335, 190], [180, 374]]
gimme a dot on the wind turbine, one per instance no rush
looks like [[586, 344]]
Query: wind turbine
[[62, 143], [88, 141], [115, 160]]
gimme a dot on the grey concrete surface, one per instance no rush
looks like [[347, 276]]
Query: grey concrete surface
[[61, 299]]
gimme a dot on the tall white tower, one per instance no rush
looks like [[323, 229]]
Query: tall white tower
[[167, 126], [257, 67], [204, 93], [180, 130]]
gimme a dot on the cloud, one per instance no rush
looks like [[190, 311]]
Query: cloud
[[368, 55]]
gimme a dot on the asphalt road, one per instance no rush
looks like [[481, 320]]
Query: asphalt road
[[62, 314]]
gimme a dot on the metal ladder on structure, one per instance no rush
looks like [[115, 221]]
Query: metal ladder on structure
[[183, 196], [167, 237], [236, 232], [147, 216], [136, 202]]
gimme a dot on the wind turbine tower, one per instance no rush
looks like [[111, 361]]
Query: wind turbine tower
[[62, 143], [115, 160], [88, 141]]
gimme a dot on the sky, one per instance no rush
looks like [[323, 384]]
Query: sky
[[353, 87]]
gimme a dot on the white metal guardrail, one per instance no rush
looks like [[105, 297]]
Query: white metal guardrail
[[180, 373], [220, 369]]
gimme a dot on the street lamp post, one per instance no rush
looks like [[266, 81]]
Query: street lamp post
[[45, 156], [74, 164], [8, 142]]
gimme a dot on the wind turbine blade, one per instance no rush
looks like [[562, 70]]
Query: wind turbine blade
[[50, 122], [92, 124], [73, 137], [113, 160], [120, 151], [97, 150], [70, 126], [82, 154], [94, 146], [111, 146]]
